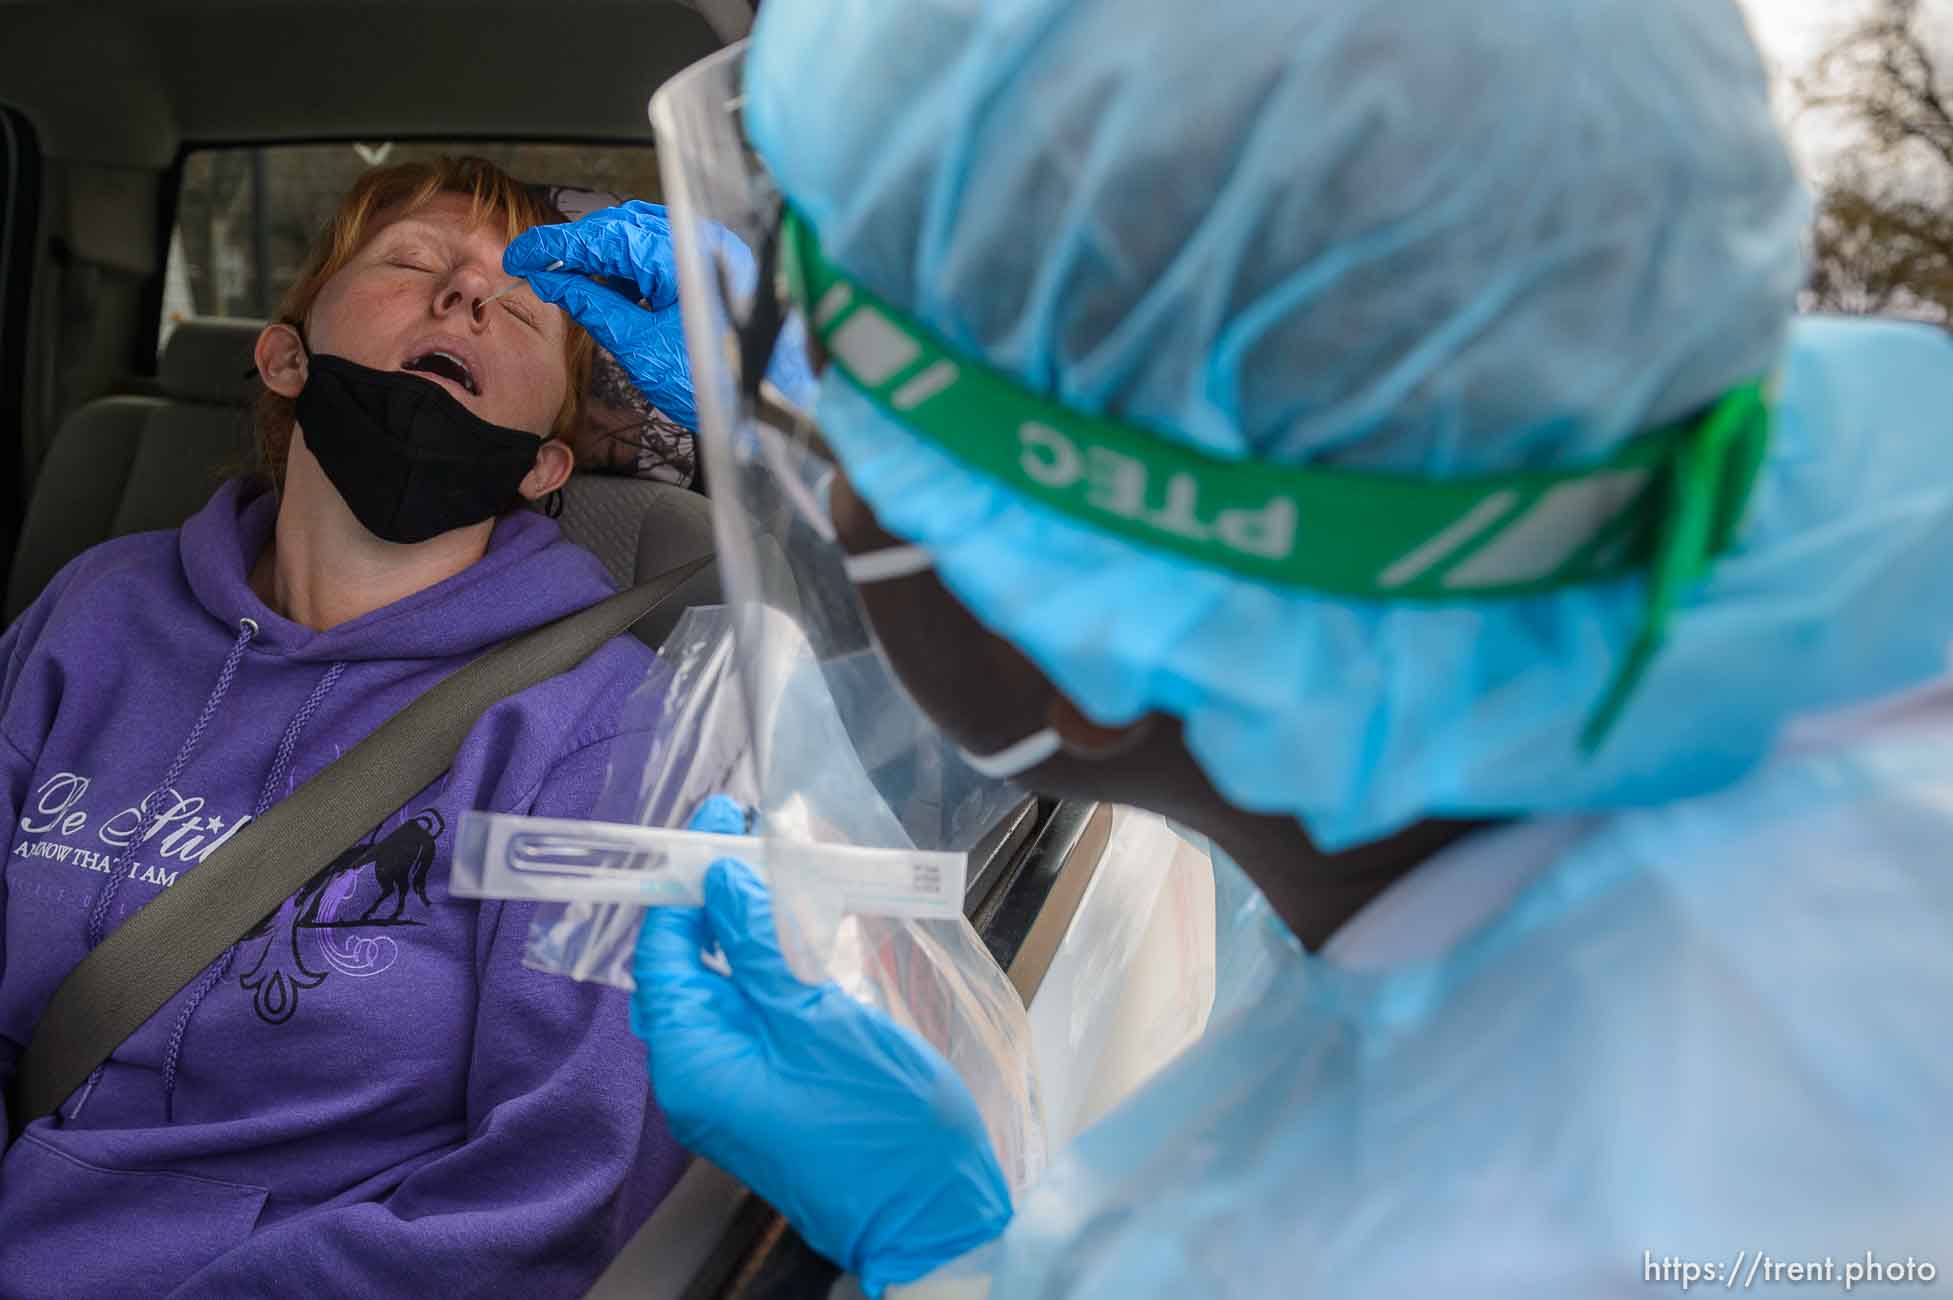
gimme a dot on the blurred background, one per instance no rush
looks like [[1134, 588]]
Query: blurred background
[[1862, 88]]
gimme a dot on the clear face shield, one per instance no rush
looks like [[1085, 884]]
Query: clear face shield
[[862, 805], [790, 586], [858, 811]]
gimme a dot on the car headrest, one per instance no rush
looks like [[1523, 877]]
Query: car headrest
[[208, 359]]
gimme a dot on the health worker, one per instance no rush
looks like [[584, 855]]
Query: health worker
[[1378, 438]]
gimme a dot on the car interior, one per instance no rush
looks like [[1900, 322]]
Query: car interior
[[162, 165]]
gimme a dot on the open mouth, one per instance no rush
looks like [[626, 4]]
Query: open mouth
[[445, 365]]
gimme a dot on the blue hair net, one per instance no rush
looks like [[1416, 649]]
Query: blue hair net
[[1410, 236]]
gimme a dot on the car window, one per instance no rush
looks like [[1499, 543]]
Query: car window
[[246, 216]]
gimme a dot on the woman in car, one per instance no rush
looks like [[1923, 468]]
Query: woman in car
[[369, 1094]]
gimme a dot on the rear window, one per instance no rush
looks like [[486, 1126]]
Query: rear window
[[245, 217]]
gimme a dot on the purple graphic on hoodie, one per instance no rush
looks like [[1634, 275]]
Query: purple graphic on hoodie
[[369, 1095]]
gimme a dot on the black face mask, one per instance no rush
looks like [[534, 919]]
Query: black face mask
[[410, 460]]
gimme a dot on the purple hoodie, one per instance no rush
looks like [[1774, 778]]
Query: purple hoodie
[[371, 1095]]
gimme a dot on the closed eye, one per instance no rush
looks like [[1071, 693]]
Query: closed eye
[[413, 264]]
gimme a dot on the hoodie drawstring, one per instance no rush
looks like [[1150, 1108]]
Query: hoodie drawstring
[[146, 816], [281, 767], [98, 919]]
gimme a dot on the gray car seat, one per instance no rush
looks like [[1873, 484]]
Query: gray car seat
[[123, 465], [639, 529]]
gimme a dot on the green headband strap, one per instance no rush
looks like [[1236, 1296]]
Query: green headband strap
[[1667, 502]]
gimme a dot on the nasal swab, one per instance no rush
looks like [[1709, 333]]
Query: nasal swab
[[517, 283]]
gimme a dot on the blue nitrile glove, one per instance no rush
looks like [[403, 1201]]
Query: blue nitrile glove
[[851, 1126], [631, 244]]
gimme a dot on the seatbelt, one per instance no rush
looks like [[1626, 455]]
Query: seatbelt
[[177, 935]]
